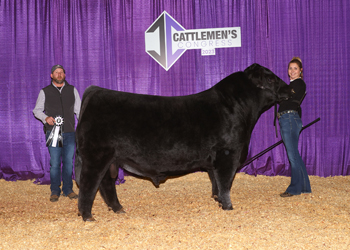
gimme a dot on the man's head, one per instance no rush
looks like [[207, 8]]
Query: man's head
[[58, 74]]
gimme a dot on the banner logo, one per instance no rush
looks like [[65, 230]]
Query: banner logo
[[166, 40]]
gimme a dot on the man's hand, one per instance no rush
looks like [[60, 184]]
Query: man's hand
[[50, 120]]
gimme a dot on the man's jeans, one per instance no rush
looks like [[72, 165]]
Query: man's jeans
[[290, 127], [64, 154]]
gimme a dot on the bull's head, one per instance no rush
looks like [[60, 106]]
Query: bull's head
[[265, 79]]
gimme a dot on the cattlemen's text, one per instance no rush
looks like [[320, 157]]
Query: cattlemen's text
[[204, 35]]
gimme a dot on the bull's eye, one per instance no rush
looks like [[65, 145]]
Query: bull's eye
[[269, 80]]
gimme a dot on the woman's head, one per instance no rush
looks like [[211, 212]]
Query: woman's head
[[295, 68]]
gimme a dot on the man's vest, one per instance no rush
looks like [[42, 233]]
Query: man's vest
[[60, 104]]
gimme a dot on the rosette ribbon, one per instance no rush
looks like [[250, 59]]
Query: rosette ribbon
[[55, 137]]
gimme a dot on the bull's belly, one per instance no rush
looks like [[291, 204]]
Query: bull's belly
[[159, 171]]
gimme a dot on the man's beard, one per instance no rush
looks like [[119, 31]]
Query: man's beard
[[58, 81]]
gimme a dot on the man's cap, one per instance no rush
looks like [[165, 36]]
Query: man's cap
[[57, 66]]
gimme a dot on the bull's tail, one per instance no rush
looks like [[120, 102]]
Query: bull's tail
[[77, 166], [78, 162], [85, 100]]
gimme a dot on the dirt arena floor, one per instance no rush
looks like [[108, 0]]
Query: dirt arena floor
[[181, 214]]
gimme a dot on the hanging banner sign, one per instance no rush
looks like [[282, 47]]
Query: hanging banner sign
[[166, 40]]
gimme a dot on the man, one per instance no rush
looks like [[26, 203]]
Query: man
[[59, 99]]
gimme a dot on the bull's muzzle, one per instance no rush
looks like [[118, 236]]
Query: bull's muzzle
[[286, 92]]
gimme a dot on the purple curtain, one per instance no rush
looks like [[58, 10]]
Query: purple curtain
[[101, 42]]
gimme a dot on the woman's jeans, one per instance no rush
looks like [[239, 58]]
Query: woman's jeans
[[290, 127], [64, 154]]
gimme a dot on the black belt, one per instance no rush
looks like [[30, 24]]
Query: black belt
[[285, 112]]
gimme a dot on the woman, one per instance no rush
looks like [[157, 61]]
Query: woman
[[290, 126]]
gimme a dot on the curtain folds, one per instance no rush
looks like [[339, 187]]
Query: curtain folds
[[102, 43]]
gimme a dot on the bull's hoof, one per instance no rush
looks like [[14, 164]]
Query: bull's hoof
[[215, 197], [227, 208], [120, 211], [90, 219], [117, 211]]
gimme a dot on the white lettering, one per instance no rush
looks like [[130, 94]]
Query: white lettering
[[206, 39], [208, 52]]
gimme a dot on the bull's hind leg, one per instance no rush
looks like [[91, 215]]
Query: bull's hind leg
[[94, 168], [89, 182], [109, 193]]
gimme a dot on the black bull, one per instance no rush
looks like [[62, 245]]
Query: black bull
[[157, 137]]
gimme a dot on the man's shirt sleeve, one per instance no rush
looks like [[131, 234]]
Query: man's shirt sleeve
[[39, 109], [77, 103]]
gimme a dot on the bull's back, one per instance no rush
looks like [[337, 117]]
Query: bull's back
[[138, 125], [128, 112]]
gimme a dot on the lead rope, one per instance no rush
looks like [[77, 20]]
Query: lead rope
[[274, 120]]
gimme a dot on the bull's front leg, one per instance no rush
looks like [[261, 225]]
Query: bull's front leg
[[214, 186], [224, 189], [223, 174]]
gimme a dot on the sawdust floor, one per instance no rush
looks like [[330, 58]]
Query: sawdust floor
[[181, 215]]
